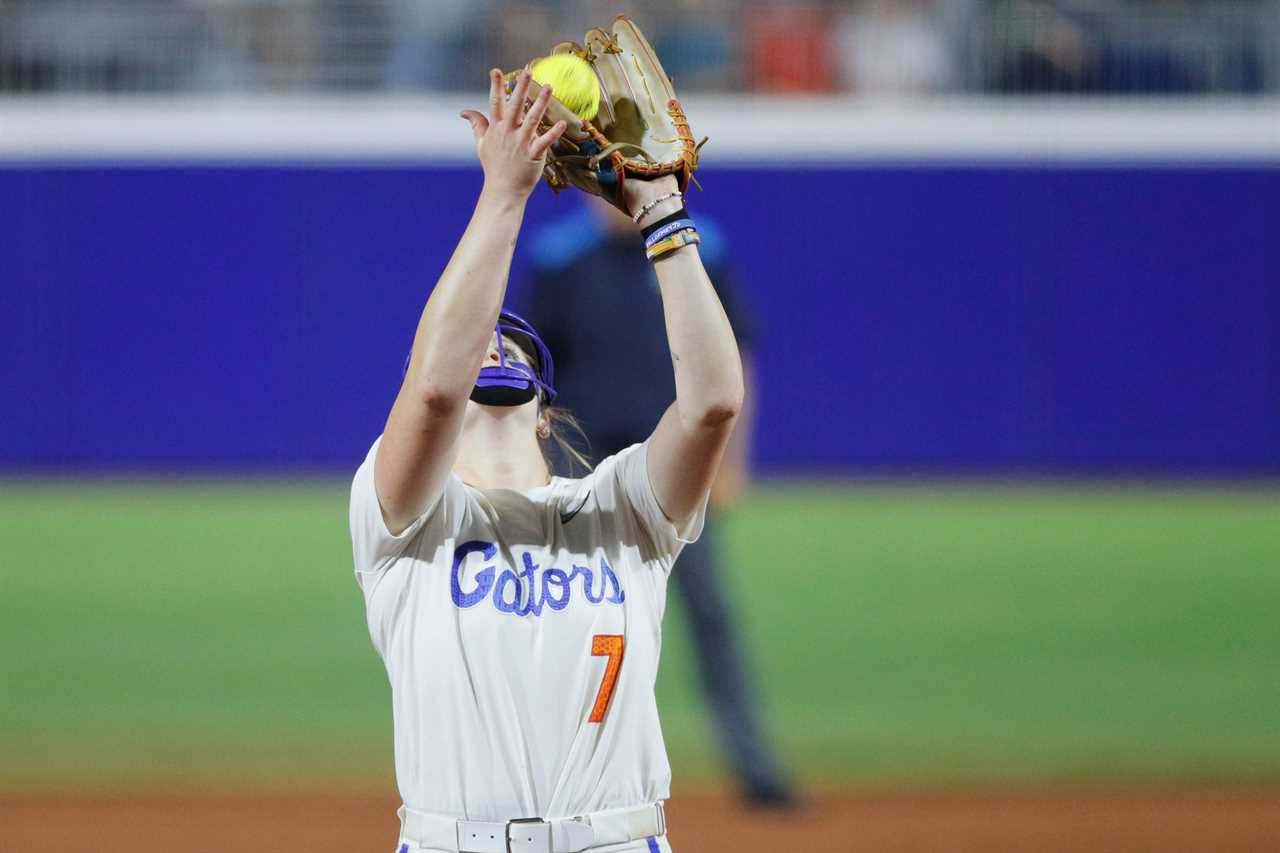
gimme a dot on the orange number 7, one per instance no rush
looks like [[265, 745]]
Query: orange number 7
[[611, 645]]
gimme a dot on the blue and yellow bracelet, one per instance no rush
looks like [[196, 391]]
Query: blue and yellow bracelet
[[670, 233]]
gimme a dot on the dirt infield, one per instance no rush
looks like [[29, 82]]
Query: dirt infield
[[1119, 821]]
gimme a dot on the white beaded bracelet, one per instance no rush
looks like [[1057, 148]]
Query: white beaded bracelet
[[640, 214]]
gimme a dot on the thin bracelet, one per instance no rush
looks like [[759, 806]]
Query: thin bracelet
[[682, 213], [651, 205]]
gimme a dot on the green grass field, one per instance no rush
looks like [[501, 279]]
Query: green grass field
[[902, 634]]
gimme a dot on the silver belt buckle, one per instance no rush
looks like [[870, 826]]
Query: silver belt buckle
[[528, 835]]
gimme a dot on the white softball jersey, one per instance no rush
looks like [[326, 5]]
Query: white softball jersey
[[521, 633]]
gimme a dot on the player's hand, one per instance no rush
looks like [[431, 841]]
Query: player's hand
[[637, 194], [511, 150]]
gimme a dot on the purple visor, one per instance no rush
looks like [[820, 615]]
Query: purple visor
[[519, 378]]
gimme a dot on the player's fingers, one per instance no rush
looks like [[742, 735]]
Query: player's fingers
[[546, 140], [495, 94], [536, 112], [479, 124], [514, 108]]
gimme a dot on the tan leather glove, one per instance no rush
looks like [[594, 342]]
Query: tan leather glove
[[640, 132]]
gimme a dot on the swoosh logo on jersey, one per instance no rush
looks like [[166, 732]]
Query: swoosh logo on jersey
[[566, 517]]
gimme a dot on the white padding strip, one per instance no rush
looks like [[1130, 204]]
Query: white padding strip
[[759, 130]]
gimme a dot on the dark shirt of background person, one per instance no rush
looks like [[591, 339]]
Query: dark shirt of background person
[[594, 299]]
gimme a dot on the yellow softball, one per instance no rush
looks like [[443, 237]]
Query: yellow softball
[[572, 81]]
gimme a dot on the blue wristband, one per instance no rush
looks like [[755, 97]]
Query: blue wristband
[[667, 230]]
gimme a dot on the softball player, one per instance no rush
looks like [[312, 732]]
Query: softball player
[[519, 614]]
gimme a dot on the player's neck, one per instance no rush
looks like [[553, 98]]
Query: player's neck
[[500, 453]]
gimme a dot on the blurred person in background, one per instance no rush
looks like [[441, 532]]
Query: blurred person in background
[[258, 45], [698, 41], [441, 44], [894, 47], [122, 46], [789, 48], [525, 30], [618, 400], [1046, 47], [1162, 47]]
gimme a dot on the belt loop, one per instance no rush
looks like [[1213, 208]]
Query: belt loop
[[570, 835]]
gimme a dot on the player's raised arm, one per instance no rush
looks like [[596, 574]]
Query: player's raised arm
[[419, 442], [686, 446]]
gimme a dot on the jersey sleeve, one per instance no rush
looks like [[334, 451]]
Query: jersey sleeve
[[373, 546], [623, 482]]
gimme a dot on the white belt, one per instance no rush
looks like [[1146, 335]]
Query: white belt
[[531, 835]]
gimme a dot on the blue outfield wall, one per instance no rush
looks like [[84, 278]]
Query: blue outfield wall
[[922, 318]]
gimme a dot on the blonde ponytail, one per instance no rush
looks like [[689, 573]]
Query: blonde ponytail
[[566, 437]]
